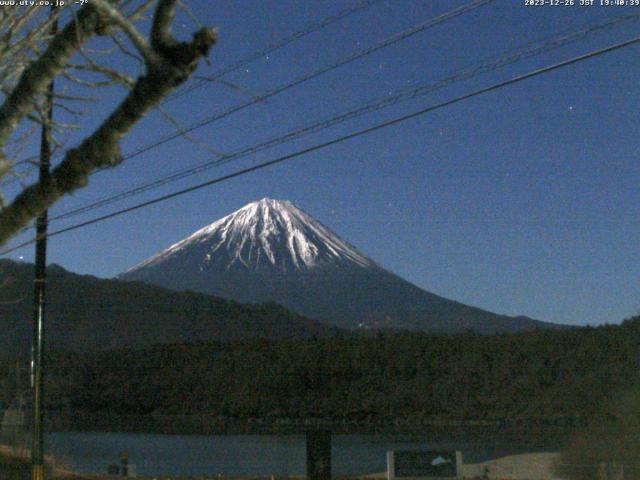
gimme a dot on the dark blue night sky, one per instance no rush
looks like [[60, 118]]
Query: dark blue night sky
[[520, 201]]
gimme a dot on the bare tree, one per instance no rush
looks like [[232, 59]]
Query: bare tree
[[31, 58]]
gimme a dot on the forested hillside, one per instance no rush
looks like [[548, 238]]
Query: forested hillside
[[545, 374], [86, 313]]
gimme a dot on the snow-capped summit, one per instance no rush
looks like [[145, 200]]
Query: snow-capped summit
[[270, 250], [271, 234]]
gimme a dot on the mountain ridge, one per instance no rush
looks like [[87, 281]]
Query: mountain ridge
[[249, 231], [270, 250], [88, 313]]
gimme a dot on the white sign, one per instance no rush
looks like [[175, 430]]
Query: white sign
[[423, 464]]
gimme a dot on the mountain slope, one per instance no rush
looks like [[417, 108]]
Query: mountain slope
[[268, 235], [88, 313], [270, 250]]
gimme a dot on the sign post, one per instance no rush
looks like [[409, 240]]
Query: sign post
[[318, 455], [412, 464]]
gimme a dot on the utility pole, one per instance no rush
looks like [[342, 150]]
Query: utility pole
[[39, 283]]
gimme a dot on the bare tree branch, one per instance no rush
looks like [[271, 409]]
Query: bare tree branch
[[35, 78], [68, 109], [188, 136], [185, 8], [114, 16], [122, 47], [161, 27], [17, 22], [74, 98], [176, 61], [113, 75], [86, 83], [140, 11]]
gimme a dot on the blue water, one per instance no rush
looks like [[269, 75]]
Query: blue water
[[260, 455]]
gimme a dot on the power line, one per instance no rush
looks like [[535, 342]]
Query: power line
[[450, 15], [340, 139], [385, 43], [513, 56], [440, 19], [251, 57]]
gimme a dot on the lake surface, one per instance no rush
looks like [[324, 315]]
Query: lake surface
[[239, 455]]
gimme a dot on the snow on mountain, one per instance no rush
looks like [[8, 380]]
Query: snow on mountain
[[270, 250], [265, 234]]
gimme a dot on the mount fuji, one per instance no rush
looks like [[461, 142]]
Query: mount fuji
[[270, 250]]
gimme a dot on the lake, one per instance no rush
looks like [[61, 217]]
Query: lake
[[239, 455]]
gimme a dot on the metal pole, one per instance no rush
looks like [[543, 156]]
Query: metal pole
[[39, 283], [318, 455]]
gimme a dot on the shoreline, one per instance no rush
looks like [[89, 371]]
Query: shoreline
[[203, 424], [527, 466]]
